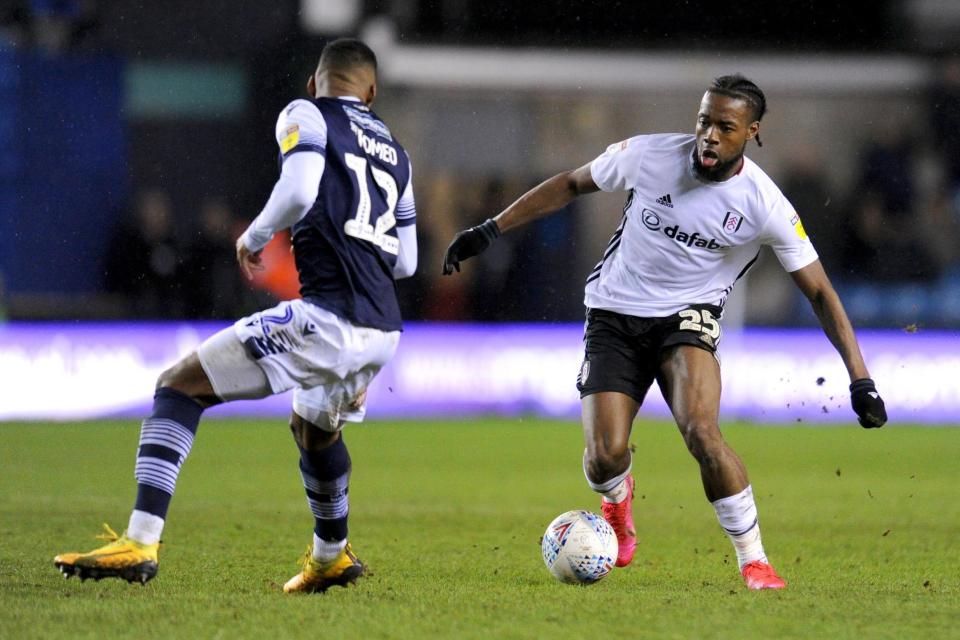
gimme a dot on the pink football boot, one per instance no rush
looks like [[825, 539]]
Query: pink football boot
[[760, 575], [620, 517]]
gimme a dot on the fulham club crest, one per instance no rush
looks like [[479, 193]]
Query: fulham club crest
[[732, 222]]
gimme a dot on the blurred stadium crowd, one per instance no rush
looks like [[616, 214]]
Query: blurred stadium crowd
[[883, 207]]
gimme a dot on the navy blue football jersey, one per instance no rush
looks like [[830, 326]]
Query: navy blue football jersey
[[346, 246]]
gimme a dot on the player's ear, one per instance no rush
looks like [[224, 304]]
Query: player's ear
[[371, 93], [753, 130], [312, 86]]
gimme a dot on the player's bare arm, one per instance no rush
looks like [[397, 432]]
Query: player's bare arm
[[815, 285], [547, 197]]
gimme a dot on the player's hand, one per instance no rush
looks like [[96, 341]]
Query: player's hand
[[468, 243], [249, 260], [867, 404], [357, 403]]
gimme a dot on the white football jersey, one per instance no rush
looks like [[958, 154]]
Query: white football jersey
[[684, 240]]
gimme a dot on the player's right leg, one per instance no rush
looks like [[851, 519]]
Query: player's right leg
[[220, 370], [607, 461], [617, 371]]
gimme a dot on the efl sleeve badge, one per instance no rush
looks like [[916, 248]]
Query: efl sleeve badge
[[798, 227], [291, 136]]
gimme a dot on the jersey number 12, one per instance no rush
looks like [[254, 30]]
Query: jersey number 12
[[359, 226]]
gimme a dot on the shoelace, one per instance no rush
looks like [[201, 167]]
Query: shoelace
[[617, 517], [109, 534], [759, 569], [305, 559]]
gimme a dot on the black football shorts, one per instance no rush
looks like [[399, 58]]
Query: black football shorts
[[622, 353]]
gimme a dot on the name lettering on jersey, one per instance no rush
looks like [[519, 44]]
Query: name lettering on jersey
[[367, 121], [374, 147], [732, 221], [652, 221], [798, 227]]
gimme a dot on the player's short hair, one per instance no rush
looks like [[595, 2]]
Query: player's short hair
[[738, 86], [346, 53]]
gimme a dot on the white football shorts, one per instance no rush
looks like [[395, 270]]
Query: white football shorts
[[297, 345]]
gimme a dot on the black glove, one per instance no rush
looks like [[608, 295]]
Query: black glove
[[468, 243], [867, 404]]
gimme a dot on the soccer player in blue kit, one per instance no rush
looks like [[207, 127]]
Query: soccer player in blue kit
[[697, 213], [345, 191]]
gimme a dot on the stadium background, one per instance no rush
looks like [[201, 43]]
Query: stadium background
[[136, 142]]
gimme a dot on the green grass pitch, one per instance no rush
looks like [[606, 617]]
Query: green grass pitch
[[864, 525]]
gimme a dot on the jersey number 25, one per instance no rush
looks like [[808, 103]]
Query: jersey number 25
[[700, 320], [359, 226]]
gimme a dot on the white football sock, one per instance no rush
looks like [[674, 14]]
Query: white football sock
[[614, 489], [324, 551], [144, 527], [618, 494], [738, 517]]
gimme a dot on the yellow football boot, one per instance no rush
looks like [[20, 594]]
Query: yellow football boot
[[317, 576], [121, 557]]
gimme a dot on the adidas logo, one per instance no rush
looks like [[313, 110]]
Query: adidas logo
[[665, 201]]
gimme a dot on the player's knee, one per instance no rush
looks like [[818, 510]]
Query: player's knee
[[604, 463], [188, 377], [174, 377], [310, 437]]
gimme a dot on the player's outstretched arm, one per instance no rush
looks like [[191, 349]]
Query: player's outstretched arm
[[815, 285], [544, 199]]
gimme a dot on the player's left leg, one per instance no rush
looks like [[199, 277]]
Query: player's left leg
[[325, 468], [690, 381], [343, 369]]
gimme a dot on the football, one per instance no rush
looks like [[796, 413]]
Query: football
[[579, 547]]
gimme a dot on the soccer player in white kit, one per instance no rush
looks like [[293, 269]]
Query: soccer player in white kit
[[697, 213], [345, 190]]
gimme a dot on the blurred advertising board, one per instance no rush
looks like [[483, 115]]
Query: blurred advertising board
[[74, 371]]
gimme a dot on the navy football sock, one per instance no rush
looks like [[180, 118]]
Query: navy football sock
[[165, 441], [326, 476]]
